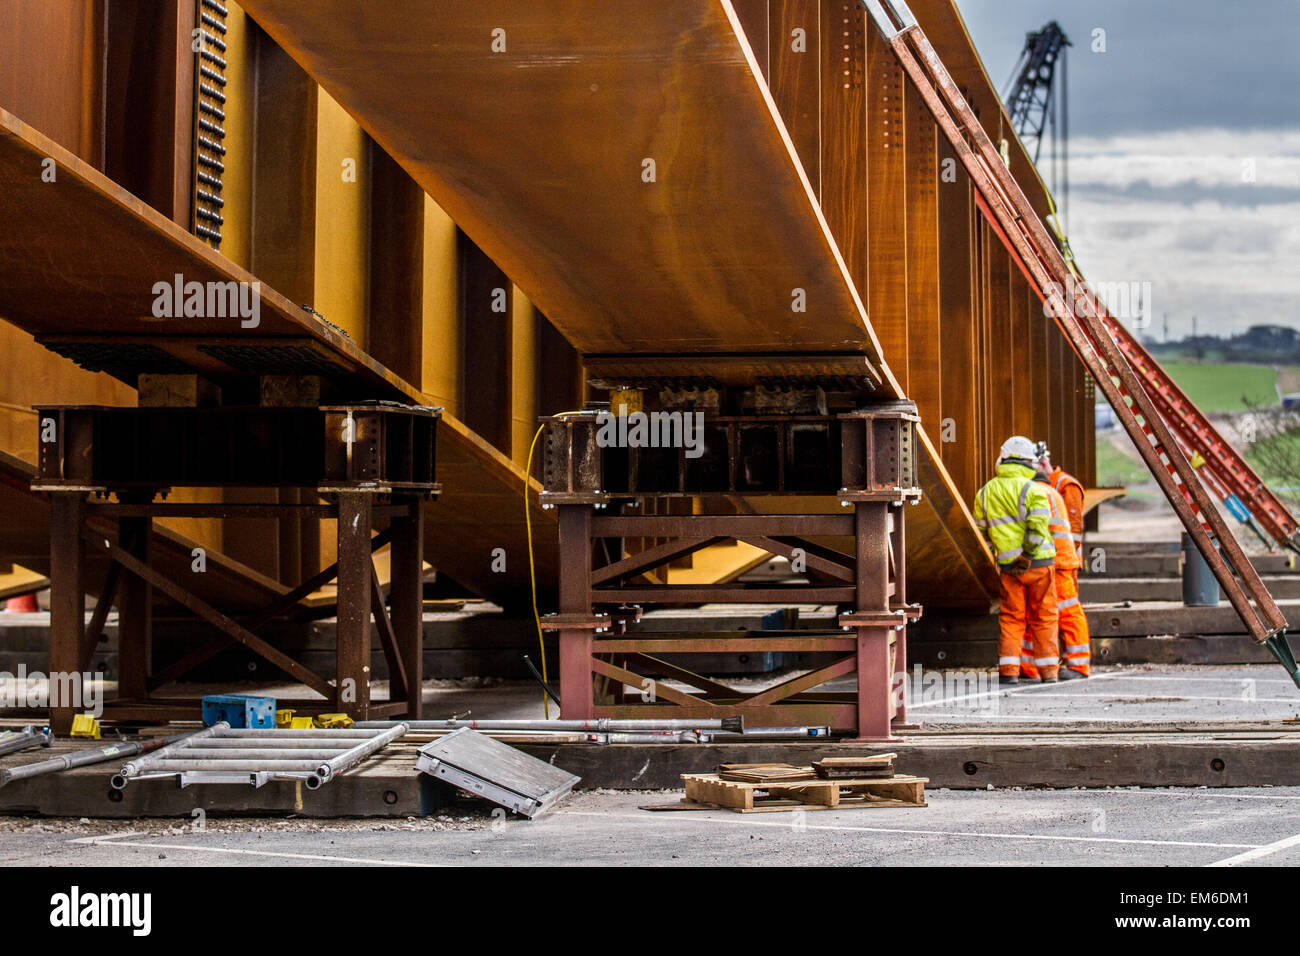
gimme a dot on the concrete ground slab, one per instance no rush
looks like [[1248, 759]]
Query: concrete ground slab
[[1146, 726], [1095, 828]]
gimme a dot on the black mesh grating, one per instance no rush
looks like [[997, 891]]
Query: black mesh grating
[[271, 359], [124, 360]]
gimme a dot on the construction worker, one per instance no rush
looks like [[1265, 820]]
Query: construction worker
[[1070, 489], [1015, 513], [1073, 625], [1067, 497]]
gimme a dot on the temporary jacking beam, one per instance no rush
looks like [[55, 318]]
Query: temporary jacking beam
[[865, 459], [369, 462], [1083, 319]]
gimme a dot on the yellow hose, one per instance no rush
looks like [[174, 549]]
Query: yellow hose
[[532, 568]]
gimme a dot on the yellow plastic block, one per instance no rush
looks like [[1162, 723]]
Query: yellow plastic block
[[333, 720], [84, 725], [283, 718]]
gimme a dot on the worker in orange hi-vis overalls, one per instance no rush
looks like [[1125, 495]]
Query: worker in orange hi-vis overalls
[[1013, 512], [1070, 489], [1075, 650]]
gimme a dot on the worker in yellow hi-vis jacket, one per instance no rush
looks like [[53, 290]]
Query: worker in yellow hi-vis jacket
[[1075, 645], [1014, 512]]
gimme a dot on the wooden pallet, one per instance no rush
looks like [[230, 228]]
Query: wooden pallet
[[898, 791], [762, 773], [856, 768]]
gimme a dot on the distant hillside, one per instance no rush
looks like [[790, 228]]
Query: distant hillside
[[1260, 344]]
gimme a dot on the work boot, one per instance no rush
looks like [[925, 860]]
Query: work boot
[[1067, 674], [1003, 679], [1050, 680]]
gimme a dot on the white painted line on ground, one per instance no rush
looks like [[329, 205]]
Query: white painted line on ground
[[1200, 680], [1009, 690], [960, 716], [1237, 697], [108, 836], [1223, 793], [119, 840], [727, 816], [1259, 851]]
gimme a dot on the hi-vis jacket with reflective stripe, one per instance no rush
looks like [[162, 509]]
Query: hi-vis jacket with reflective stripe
[[1067, 558], [1014, 513], [1070, 489]]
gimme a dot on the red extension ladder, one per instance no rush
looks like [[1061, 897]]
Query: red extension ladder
[[1157, 416]]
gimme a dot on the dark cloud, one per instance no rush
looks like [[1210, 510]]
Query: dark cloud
[[1169, 64]]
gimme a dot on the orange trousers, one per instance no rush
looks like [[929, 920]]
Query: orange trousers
[[1075, 641], [1028, 602]]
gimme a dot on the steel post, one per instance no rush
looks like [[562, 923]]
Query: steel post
[[875, 668], [134, 604], [352, 655], [406, 600], [577, 694], [67, 602]]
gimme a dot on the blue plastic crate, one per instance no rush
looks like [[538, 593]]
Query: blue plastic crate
[[239, 710]]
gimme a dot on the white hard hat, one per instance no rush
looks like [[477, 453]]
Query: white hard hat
[[1017, 447]]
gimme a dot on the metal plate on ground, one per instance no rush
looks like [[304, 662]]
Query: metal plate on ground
[[496, 771]]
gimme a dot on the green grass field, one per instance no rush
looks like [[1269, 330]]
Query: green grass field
[[1225, 388], [1116, 468], [1215, 388]]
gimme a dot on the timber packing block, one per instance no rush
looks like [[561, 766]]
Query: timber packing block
[[807, 794], [495, 771]]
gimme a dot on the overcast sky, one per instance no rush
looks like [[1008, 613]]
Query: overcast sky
[[1188, 102]]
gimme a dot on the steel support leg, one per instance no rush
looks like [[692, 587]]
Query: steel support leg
[[406, 600], [899, 541], [875, 667], [352, 654], [875, 683], [67, 602], [134, 612], [576, 692]]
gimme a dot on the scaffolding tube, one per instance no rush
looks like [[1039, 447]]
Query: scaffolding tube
[[25, 739], [84, 758], [599, 725]]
